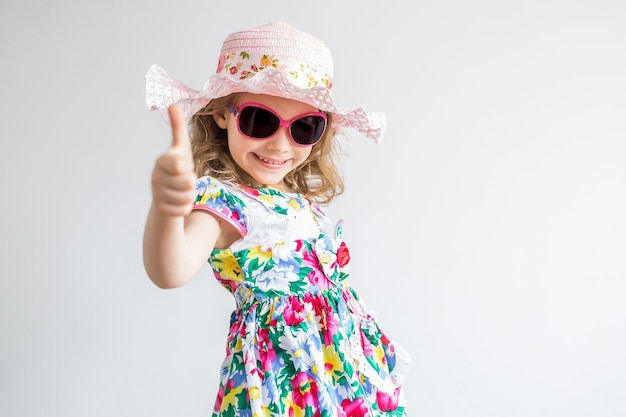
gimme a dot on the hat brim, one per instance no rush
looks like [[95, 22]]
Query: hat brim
[[163, 90]]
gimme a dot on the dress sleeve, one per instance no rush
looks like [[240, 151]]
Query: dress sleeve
[[216, 198]]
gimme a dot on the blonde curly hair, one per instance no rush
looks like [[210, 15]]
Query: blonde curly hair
[[317, 179]]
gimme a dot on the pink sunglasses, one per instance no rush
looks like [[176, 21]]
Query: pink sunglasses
[[257, 121]]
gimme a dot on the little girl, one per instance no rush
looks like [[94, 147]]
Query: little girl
[[243, 189]]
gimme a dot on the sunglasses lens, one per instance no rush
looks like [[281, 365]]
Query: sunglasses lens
[[256, 122], [308, 130]]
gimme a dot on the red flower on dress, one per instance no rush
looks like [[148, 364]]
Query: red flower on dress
[[343, 255], [252, 191]]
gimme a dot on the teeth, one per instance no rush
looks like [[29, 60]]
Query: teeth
[[269, 162]]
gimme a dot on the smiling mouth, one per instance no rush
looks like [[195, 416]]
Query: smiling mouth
[[271, 162]]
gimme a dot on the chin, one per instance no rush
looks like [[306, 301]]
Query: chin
[[269, 180]]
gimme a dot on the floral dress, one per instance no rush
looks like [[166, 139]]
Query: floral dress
[[301, 342]]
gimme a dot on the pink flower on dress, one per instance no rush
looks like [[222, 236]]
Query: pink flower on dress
[[368, 349], [218, 402], [294, 312], [331, 328], [388, 402], [308, 258], [304, 391], [317, 277], [354, 408], [266, 349], [267, 358]]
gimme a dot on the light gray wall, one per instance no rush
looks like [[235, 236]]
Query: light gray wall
[[487, 230]]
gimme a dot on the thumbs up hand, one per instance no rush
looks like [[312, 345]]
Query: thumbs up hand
[[173, 177]]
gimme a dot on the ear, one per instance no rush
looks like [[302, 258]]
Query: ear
[[220, 119]]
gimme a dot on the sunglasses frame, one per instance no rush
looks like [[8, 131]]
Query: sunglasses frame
[[236, 111]]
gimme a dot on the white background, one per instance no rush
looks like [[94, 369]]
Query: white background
[[487, 230]]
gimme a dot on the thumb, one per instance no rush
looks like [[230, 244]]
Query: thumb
[[180, 135]]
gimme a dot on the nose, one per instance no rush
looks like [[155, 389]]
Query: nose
[[281, 140]]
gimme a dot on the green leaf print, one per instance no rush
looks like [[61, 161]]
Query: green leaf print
[[298, 286], [280, 210]]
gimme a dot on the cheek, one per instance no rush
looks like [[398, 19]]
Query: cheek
[[302, 153], [235, 147], [236, 142]]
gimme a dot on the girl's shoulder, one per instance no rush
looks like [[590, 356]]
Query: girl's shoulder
[[211, 188], [221, 198]]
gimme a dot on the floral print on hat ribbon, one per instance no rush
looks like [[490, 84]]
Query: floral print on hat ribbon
[[241, 65]]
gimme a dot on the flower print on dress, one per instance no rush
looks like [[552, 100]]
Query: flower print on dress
[[310, 262], [343, 255], [298, 325], [277, 279], [291, 409], [283, 251], [299, 349], [271, 393], [295, 311], [266, 349], [256, 258], [331, 327], [229, 396], [326, 249], [288, 204], [305, 391], [355, 408], [230, 270], [208, 189], [214, 197], [254, 381], [327, 401], [295, 206], [333, 365], [318, 278], [388, 402]]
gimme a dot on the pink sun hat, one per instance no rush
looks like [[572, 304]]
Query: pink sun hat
[[274, 59]]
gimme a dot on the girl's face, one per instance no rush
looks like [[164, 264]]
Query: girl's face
[[267, 160]]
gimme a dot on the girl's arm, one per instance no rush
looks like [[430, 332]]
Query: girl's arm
[[176, 248], [177, 241]]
